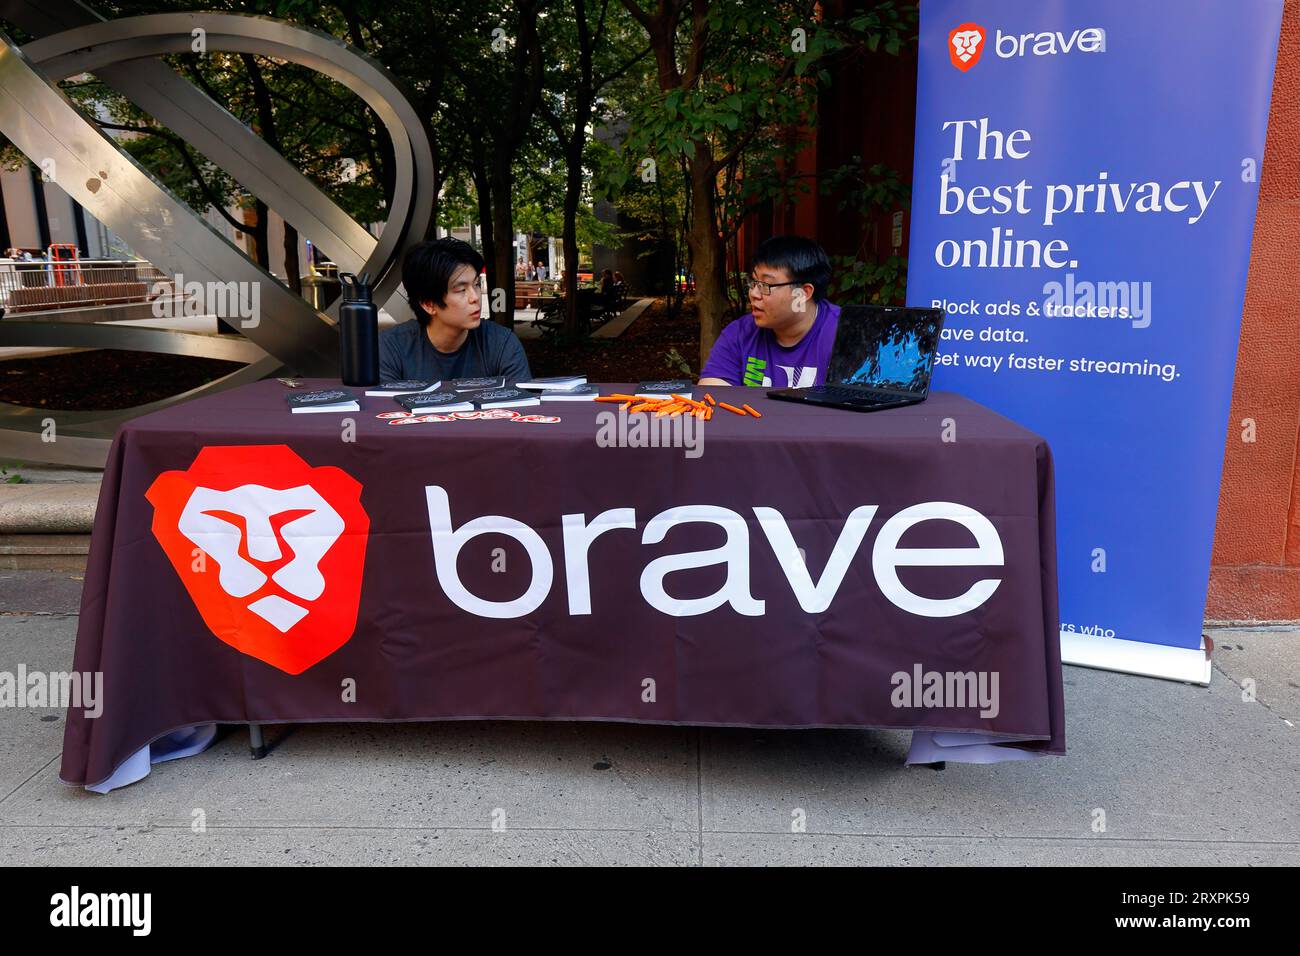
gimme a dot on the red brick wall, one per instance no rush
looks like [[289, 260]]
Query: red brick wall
[[1256, 570]]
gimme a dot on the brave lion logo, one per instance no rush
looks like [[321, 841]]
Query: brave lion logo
[[270, 549], [965, 45]]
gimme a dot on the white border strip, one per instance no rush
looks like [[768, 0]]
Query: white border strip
[[1184, 664]]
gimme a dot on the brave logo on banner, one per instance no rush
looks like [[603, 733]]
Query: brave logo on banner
[[966, 44], [272, 552], [270, 549], [814, 596]]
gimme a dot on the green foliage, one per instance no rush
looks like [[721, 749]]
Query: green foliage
[[675, 361], [744, 104], [870, 281], [868, 192]]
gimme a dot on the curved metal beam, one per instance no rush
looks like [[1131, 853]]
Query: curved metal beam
[[83, 439], [89, 48], [94, 170], [207, 126], [131, 338]]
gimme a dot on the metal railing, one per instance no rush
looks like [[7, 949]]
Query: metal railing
[[40, 284]]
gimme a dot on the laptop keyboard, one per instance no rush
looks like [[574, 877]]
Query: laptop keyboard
[[839, 391]]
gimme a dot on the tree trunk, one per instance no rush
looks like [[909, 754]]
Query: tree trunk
[[260, 251], [483, 196], [292, 266], [708, 255], [572, 196], [502, 254]]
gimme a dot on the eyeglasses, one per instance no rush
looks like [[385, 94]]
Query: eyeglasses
[[764, 289]]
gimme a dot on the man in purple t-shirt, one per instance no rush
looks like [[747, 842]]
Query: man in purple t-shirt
[[785, 342]]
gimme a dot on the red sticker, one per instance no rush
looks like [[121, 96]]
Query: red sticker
[[420, 419]]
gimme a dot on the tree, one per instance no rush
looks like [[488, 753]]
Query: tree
[[594, 61], [498, 71], [731, 76]]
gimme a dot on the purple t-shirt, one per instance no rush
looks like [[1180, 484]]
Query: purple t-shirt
[[747, 355]]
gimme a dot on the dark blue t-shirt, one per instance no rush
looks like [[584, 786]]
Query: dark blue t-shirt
[[405, 352]]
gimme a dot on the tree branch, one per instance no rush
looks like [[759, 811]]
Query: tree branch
[[600, 82]]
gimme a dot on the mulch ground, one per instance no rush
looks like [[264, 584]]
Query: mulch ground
[[640, 353], [104, 379], [108, 378]]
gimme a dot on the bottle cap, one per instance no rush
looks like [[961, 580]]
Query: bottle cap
[[355, 289]]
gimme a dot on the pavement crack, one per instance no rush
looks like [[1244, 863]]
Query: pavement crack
[[1258, 700], [30, 777]]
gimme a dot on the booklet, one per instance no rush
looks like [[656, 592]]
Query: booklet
[[664, 388], [562, 382], [505, 398], [581, 393], [404, 387], [325, 400], [475, 384], [425, 403]]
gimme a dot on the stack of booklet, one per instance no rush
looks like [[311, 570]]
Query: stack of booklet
[[562, 388], [325, 400], [404, 387], [437, 403], [434, 403], [478, 384], [664, 388], [505, 398]]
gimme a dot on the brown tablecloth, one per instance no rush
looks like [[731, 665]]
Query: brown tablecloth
[[330, 530]]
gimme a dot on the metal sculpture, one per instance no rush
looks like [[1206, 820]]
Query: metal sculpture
[[41, 121]]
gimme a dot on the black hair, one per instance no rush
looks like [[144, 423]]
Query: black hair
[[428, 267], [804, 259]]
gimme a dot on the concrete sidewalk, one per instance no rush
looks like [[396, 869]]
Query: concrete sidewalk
[[1184, 776]]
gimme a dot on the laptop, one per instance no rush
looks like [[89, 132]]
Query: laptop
[[882, 358]]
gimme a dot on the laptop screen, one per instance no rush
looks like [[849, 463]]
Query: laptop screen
[[883, 347]]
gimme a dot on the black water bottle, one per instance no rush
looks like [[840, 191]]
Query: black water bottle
[[358, 331]]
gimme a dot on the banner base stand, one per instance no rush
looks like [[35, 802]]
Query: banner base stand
[[1184, 664]]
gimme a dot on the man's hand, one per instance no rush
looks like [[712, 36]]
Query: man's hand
[[712, 381]]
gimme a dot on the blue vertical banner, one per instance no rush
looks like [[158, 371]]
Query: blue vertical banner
[[1083, 203]]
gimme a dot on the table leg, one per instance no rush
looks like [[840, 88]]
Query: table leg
[[256, 745]]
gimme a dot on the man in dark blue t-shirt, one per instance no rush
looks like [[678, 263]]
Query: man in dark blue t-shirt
[[448, 338]]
